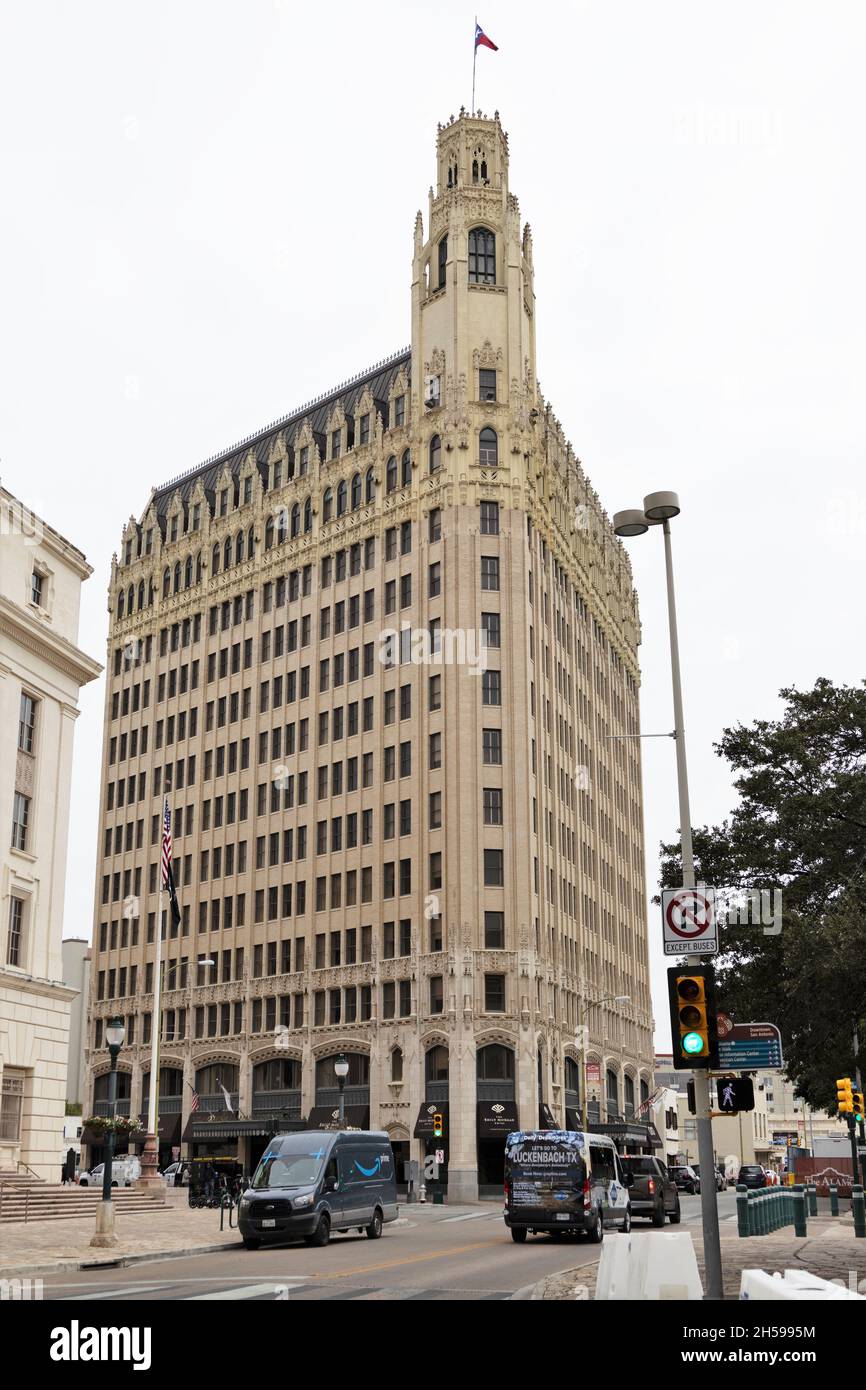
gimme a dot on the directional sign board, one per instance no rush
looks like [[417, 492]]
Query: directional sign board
[[751, 1047], [689, 921]]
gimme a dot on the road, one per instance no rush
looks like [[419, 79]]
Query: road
[[439, 1253]]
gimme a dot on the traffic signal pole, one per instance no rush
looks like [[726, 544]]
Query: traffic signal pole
[[706, 1155]]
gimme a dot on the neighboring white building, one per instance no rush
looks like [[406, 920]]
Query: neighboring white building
[[41, 672], [76, 974]]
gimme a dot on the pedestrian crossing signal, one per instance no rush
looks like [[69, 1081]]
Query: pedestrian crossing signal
[[735, 1093]]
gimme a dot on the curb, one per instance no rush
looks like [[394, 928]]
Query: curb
[[119, 1262]]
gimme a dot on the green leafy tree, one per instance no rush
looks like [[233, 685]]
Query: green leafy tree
[[799, 826]]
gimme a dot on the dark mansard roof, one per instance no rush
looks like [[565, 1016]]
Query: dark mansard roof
[[379, 379]]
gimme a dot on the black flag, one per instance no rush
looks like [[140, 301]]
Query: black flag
[[172, 897]]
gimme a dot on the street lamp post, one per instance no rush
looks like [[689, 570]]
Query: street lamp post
[[115, 1032], [659, 508], [596, 1003], [341, 1067]]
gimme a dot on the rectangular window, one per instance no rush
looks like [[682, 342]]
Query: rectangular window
[[491, 747], [26, 723], [494, 994], [486, 384], [494, 931], [494, 868], [491, 687], [490, 572], [20, 820], [492, 805], [490, 518], [15, 939]]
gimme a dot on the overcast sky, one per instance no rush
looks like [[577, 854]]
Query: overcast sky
[[207, 214]]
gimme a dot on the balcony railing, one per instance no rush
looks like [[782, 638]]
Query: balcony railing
[[354, 1095], [168, 1105], [275, 1102], [103, 1107], [214, 1104], [495, 1090], [436, 1091]]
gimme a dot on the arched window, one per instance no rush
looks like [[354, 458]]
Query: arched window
[[370, 486], [443, 261], [166, 582], [227, 553], [612, 1094], [279, 1074], [209, 1079], [406, 469], [359, 1071], [572, 1078], [436, 1064], [282, 525], [391, 475], [484, 171], [269, 533], [356, 492], [215, 559], [488, 448], [327, 504], [187, 572], [308, 514], [239, 547], [251, 542], [176, 575], [396, 1064], [101, 1085], [130, 598], [198, 568], [121, 600], [495, 1063], [295, 524], [482, 257], [140, 595], [540, 1075], [435, 454], [628, 1095], [644, 1091], [475, 171], [149, 592], [342, 495]]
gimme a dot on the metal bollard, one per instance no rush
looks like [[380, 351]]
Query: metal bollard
[[799, 1210], [813, 1199], [859, 1208], [834, 1199], [743, 1211]]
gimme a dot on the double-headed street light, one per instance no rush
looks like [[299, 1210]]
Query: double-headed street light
[[115, 1032], [341, 1068], [659, 509]]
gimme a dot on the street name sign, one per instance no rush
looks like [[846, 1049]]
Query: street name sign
[[689, 921]]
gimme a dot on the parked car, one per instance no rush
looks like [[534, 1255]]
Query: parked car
[[177, 1175], [718, 1177], [751, 1175], [562, 1183], [685, 1178], [313, 1182], [124, 1172], [653, 1192]]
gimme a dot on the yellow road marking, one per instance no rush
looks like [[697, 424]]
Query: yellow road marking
[[407, 1260]]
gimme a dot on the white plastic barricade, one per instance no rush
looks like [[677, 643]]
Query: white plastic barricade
[[795, 1286], [649, 1266]]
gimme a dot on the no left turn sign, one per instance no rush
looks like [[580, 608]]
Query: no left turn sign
[[689, 921]]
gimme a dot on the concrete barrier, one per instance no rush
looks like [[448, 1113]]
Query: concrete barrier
[[795, 1286], [653, 1266]]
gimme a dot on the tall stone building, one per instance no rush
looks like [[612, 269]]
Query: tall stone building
[[41, 672], [382, 658]]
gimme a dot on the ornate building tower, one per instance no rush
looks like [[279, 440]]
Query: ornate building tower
[[382, 657]]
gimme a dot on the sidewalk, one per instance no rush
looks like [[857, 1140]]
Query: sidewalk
[[830, 1250], [40, 1247]]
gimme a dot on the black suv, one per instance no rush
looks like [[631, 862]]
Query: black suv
[[751, 1175], [653, 1192], [685, 1178]]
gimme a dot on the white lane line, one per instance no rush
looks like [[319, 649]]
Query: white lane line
[[125, 1292], [272, 1290], [473, 1216]]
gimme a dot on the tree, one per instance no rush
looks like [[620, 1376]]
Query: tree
[[800, 826]]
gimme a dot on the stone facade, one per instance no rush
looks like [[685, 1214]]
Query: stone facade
[[41, 672], [384, 848]]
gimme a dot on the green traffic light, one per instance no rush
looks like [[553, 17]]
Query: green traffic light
[[692, 1043]]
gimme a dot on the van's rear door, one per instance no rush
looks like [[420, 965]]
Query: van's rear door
[[545, 1180]]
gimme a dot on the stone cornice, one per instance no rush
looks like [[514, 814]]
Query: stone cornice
[[63, 655], [28, 984]]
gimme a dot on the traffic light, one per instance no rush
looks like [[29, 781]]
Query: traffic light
[[844, 1095], [437, 1126], [692, 997], [858, 1111]]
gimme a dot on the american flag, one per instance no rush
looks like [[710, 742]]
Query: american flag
[[193, 1105], [166, 845]]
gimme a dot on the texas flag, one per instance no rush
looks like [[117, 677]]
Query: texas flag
[[481, 39]]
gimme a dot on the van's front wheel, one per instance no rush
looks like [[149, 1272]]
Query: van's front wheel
[[322, 1233], [374, 1230], [518, 1233]]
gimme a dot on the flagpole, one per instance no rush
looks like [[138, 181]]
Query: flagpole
[[474, 58], [153, 1099]]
